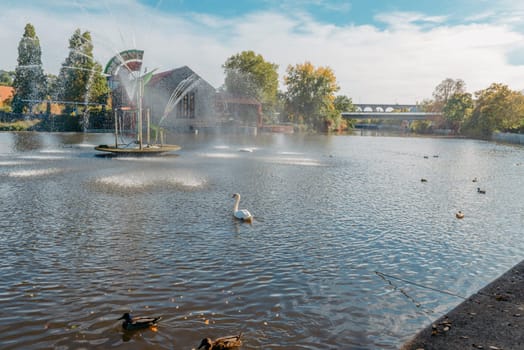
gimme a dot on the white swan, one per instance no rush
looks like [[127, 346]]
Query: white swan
[[242, 214]]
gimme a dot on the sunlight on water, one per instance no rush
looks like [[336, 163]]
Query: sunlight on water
[[145, 180], [55, 151], [43, 157], [220, 155], [34, 172], [294, 161], [12, 162], [286, 153]]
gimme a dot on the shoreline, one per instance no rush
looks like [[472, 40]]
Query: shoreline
[[492, 318]]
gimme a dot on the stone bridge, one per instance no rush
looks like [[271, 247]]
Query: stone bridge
[[385, 107], [390, 112]]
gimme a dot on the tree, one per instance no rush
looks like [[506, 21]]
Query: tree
[[458, 108], [310, 95], [447, 88], [6, 77], [80, 80], [497, 108], [342, 103], [29, 81], [249, 75]]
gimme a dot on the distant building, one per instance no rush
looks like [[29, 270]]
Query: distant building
[[176, 99], [6, 92], [241, 111], [181, 99]]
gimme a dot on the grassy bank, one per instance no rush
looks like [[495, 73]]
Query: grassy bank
[[19, 125]]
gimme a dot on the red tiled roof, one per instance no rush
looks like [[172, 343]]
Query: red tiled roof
[[159, 76], [5, 93]]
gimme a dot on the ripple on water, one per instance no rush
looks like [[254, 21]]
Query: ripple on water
[[301, 277]]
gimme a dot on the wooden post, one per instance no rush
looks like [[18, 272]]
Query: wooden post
[[148, 117], [116, 128]]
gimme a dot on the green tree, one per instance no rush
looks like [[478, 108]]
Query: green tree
[[343, 103], [458, 108], [447, 88], [80, 80], [6, 78], [310, 95], [249, 75], [29, 81], [496, 108]]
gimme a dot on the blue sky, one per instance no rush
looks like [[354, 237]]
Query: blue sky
[[381, 51]]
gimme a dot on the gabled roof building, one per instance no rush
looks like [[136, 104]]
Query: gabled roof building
[[180, 99]]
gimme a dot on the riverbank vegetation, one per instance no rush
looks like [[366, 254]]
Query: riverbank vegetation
[[19, 125], [478, 115], [309, 101]]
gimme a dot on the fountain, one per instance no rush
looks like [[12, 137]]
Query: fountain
[[184, 86], [124, 71]]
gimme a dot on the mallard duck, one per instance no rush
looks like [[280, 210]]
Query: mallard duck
[[241, 214], [131, 323], [224, 343], [481, 191], [459, 215]]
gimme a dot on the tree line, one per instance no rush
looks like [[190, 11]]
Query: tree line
[[496, 108], [310, 98], [80, 81]]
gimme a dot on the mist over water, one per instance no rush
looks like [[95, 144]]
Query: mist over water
[[85, 238]]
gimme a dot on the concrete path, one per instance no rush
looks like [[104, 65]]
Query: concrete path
[[491, 319]]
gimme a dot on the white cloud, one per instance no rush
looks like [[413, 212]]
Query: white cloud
[[402, 63]]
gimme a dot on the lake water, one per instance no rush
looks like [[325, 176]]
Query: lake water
[[84, 239]]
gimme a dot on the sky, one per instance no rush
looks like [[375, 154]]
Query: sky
[[381, 51]]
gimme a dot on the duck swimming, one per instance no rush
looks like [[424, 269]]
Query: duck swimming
[[132, 323], [459, 215], [481, 191], [224, 343], [241, 214]]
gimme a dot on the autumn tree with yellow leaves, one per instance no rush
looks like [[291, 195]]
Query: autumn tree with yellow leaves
[[310, 96]]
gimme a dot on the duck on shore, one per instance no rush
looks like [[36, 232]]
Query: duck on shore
[[131, 323], [223, 343]]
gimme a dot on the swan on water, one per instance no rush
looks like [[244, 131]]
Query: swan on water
[[241, 214]]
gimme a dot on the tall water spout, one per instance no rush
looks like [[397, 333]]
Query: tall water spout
[[178, 93]]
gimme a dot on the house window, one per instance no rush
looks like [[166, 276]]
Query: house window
[[186, 106]]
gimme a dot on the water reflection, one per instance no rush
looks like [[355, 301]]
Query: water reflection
[[87, 238], [26, 141]]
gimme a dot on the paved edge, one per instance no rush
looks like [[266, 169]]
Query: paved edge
[[492, 319]]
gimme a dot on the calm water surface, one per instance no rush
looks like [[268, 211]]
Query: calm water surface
[[84, 239]]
